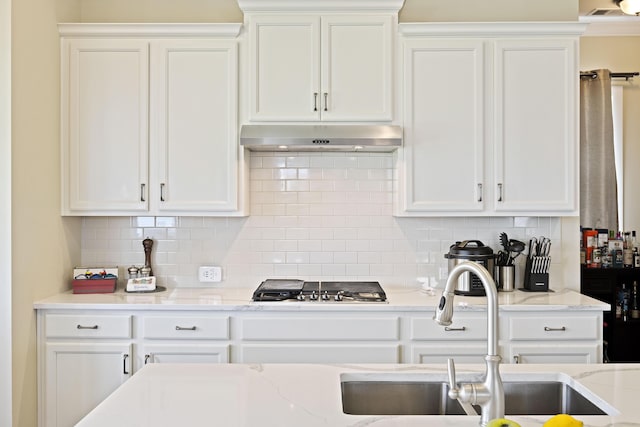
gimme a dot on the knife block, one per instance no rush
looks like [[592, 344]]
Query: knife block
[[539, 281]]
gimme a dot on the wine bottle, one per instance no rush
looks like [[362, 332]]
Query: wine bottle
[[627, 251]]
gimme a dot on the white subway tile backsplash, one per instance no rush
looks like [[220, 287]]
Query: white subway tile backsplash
[[317, 216]]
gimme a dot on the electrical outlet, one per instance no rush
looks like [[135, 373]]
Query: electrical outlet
[[210, 274]]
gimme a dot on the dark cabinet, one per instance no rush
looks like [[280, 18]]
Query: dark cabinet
[[622, 337]]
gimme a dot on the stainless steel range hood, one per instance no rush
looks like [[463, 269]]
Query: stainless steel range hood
[[354, 138]]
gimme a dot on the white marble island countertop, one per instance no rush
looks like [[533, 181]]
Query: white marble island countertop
[[294, 395], [221, 299]]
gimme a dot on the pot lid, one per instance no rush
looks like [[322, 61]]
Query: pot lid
[[470, 248]]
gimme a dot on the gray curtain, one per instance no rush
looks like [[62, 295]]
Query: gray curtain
[[598, 191]]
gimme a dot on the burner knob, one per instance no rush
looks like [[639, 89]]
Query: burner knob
[[300, 297], [313, 296], [338, 296], [325, 296]]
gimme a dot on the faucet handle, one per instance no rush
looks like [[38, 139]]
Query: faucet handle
[[453, 386]]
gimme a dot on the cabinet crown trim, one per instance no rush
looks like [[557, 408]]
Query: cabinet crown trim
[[491, 29], [149, 30], [320, 5]]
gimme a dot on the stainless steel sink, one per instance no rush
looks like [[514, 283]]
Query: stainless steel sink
[[400, 394]]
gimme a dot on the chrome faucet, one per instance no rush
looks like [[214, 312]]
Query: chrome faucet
[[488, 394]]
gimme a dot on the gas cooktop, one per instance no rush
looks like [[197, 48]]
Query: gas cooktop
[[330, 291]]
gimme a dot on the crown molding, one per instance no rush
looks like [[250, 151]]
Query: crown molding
[[320, 5], [611, 26], [149, 30], [491, 29]]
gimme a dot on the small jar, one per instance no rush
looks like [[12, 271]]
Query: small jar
[[145, 271], [133, 272]]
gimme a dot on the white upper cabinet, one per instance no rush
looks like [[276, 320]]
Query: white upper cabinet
[[105, 121], [490, 120], [444, 125], [536, 126], [321, 67], [149, 120], [194, 125]]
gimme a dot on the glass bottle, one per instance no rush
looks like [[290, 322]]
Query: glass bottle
[[635, 308], [627, 251]]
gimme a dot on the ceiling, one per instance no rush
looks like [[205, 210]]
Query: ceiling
[[586, 6]]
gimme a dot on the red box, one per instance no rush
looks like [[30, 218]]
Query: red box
[[94, 286]]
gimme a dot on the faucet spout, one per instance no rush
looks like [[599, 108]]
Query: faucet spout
[[490, 393]]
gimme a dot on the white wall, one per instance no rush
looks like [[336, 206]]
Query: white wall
[[5, 213], [44, 246], [313, 216]]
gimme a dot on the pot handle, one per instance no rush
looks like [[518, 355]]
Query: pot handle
[[464, 243]]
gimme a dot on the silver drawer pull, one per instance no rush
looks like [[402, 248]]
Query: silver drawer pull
[[546, 328], [87, 327], [180, 328], [124, 364], [446, 328]]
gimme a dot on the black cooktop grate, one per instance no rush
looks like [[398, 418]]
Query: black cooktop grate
[[293, 289]]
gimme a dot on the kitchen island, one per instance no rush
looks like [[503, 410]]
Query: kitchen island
[[297, 395]]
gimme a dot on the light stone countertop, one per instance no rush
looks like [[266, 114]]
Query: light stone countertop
[[294, 395], [234, 299]]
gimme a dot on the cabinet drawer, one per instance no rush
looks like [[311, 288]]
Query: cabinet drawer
[[87, 326], [320, 328], [555, 328], [173, 327], [462, 328]]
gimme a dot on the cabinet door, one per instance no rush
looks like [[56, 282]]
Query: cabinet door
[[554, 353], [535, 126], [440, 352], [443, 130], [184, 353], [285, 68], [194, 125], [330, 352], [356, 61], [79, 376], [104, 129]]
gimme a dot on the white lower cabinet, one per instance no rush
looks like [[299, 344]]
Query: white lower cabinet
[[180, 353], [465, 340], [320, 353], [82, 358], [555, 337], [84, 355], [554, 353], [320, 339]]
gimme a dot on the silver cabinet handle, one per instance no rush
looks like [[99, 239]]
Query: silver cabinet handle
[[142, 188], [124, 364], [480, 192], [325, 101], [463, 328], [500, 192], [146, 358], [546, 328], [315, 101], [162, 192], [516, 359], [87, 327], [181, 328]]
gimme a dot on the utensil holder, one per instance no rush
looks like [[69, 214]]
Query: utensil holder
[[536, 274], [505, 276]]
